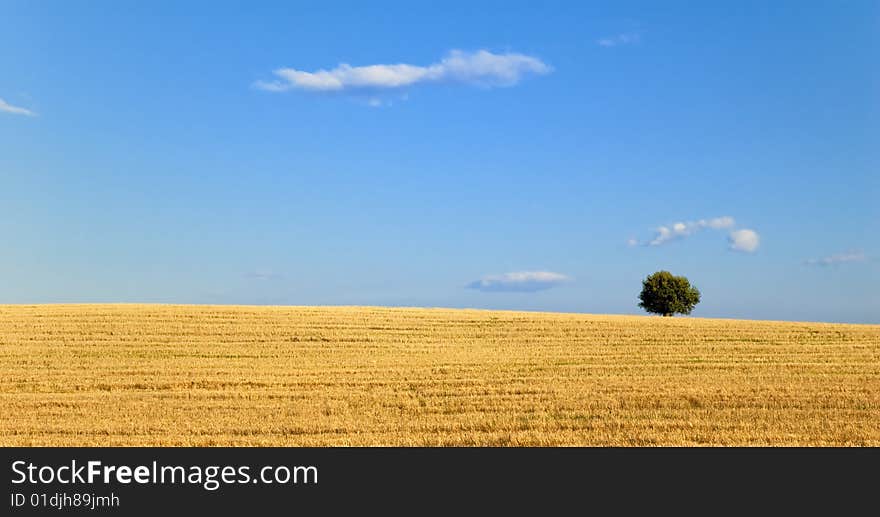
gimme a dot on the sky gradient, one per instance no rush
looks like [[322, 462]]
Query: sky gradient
[[489, 155]]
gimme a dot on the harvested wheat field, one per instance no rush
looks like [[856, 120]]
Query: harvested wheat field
[[221, 375]]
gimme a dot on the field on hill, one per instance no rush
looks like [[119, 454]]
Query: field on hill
[[218, 375]]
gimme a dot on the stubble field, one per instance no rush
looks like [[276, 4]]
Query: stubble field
[[221, 375]]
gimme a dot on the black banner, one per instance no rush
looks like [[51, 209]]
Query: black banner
[[546, 481]]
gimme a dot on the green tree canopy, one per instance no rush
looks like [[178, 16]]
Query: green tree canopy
[[667, 294]]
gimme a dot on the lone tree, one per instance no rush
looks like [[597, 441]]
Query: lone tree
[[667, 294]]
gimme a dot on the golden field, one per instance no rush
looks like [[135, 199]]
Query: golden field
[[222, 375]]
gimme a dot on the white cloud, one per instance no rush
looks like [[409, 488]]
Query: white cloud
[[520, 281], [684, 229], [482, 68], [839, 258], [620, 39], [744, 240], [740, 240], [15, 110]]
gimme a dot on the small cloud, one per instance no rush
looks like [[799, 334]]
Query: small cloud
[[744, 240], [521, 281], [680, 230], [264, 275], [740, 240], [480, 68], [838, 258], [15, 110], [626, 38], [379, 101]]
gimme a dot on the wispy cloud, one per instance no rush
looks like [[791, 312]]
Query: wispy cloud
[[15, 110], [520, 281], [626, 38], [480, 68], [838, 258], [263, 274], [684, 229], [740, 240]]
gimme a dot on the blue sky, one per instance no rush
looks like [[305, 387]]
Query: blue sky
[[527, 158]]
